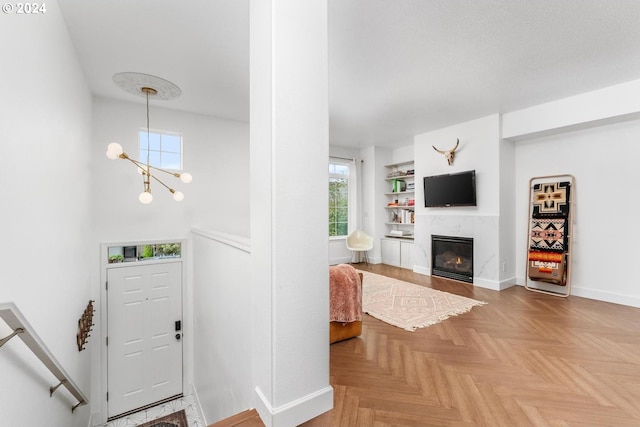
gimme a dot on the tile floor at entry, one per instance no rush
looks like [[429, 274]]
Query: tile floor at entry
[[188, 403]]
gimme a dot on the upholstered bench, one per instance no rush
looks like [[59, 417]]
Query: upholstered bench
[[345, 303]]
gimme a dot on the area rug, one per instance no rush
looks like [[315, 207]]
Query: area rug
[[177, 419], [409, 306]]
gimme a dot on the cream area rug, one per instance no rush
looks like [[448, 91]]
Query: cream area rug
[[409, 306]]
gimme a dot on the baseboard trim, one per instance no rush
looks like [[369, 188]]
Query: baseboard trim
[[197, 399], [494, 285], [598, 295], [422, 270], [296, 412]]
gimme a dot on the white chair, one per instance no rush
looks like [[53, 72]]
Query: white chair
[[359, 241]]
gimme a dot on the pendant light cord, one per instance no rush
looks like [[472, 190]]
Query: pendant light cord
[[148, 131]]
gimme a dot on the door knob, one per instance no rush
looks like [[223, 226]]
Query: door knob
[[178, 337]]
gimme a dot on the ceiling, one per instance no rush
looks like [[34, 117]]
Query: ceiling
[[397, 68]]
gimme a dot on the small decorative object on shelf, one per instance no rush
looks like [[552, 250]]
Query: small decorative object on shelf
[[85, 325]]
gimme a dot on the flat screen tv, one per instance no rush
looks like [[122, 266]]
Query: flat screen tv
[[452, 189]]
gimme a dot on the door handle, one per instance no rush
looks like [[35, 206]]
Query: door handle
[[178, 337]]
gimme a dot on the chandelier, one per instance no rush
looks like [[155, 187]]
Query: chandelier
[[147, 86]]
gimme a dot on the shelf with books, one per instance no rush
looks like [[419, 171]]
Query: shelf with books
[[400, 197]]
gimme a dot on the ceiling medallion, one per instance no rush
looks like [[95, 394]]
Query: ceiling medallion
[[134, 83]]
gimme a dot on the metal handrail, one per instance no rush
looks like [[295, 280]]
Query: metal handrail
[[22, 329]]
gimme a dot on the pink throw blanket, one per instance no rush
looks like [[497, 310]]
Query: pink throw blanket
[[345, 294]]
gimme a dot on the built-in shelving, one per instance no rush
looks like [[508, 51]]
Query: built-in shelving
[[397, 244], [400, 200]]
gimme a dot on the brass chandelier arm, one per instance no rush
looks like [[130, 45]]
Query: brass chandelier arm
[[144, 166], [165, 185], [176, 174]]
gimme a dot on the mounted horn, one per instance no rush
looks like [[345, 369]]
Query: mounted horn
[[450, 154]]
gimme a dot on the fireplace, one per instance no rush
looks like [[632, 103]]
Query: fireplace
[[452, 257]]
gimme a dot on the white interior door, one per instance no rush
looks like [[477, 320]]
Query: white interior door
[[144, 348]]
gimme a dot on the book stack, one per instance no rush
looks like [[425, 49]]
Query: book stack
[[406, 217], [399, 185]]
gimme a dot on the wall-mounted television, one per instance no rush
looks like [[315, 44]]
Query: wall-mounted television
[[452, 189]]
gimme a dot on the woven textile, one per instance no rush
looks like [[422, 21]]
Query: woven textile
[[548, 234], [409, 306], [345, 294], [177, 419], [551, 199], [547, 267]]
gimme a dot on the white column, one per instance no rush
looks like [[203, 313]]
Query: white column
[[289, 198]]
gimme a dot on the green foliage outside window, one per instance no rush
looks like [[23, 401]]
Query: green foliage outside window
[[338, 206]]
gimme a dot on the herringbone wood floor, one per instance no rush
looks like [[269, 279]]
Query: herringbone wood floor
[[524, 359]]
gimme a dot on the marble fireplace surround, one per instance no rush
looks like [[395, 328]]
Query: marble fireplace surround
[[484, 229]]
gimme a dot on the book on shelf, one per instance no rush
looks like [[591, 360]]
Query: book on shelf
[[405, 216], [399, 185]]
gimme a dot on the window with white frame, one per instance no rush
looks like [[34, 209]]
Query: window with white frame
[[163, 148], [339, 173]]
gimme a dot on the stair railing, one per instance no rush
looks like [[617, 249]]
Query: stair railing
[[14, 318]]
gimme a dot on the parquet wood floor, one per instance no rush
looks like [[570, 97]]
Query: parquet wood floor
[[524, 359]]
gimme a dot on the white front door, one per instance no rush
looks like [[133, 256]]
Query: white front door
[[144, 347]]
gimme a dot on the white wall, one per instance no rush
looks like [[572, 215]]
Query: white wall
[[46, 250], [222, 319], [215, 152], [604, 163], [480, 149], [402, 154], [592, 136], [507, 222], [373, 200]]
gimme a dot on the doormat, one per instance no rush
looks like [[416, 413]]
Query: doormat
[[409, 306], [177, 419]]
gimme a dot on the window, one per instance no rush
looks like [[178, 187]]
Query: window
[[338, 199], [164, 149]]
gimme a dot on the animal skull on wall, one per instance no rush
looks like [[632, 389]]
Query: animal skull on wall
[[449, 155]]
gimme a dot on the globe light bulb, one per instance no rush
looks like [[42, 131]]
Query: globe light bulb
[[178, 196], [186, 177], [114, 150], [145, 197]]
